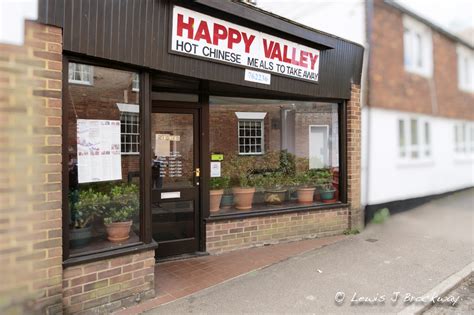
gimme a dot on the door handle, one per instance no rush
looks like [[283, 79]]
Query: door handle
[[197, 172]]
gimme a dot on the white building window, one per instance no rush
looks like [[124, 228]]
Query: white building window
[[136, 82], [465, 58], [414, 139], [464, 138], [417, 47], [81, 74], [251, 133]]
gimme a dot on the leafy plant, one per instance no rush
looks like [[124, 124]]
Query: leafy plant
[[287, 163], [217, 183], [274, 180], [351, 231], [123, 205], [304, 179], [322, 178], [86, 205], [381, 215]]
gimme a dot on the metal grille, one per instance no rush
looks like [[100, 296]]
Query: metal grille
[[129, 133], [250, 137]]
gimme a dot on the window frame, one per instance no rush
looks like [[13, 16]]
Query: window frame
[[417, 47], [465, 68], [463, 140], [89, 82], [126, 111], [423, 146], [145, 239], [136, 82], [262, 136]]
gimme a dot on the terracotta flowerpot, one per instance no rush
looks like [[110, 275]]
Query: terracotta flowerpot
[[305, 194], [118, 231], [243, 197], [215, 200]]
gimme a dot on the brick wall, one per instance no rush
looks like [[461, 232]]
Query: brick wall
[[107, 285], [392, 87], [353, 159], [236, 234], [30, 173]]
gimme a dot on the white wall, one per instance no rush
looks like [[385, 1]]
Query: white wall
[[343, 18], [390, 178]]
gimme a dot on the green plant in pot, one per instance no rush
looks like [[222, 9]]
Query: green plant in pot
[[123, 207], [216, 190], [323, 179], [275, 185], [305, 187], [243, 181], [85, 206]]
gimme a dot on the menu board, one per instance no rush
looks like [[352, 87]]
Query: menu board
[[98, 150], [171, 166]]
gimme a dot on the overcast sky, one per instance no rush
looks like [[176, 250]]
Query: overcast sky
[[453, 15]]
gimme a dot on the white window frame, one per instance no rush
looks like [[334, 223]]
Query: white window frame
[[129, 109], [83, 69], [422, 149], [417, 47], [465, 63], [257, 117], [136, 82], [463, 139]]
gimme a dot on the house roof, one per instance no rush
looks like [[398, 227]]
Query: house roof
[[435, 27]]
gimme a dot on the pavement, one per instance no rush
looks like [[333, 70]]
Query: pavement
[[374, 272]]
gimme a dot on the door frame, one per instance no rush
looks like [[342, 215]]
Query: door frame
[[202, 106], [309, 140]]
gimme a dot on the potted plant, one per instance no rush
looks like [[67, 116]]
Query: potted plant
[[305, 187], [216, 190], [122, 208], [275, 188], [323, 178], [85, 206]]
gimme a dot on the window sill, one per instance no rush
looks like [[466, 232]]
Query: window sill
[[420, 72], [415, 163], [80, 83], [129, 153], [127, 250], [269, 212]]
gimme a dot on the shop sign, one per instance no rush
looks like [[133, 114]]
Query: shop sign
[[203, 36]]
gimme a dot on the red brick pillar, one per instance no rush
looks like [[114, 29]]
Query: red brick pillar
[[356, 216]]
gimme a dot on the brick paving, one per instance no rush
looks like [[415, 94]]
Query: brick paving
[[176, 279]]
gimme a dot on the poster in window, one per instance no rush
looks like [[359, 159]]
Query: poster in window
[[98, 150]]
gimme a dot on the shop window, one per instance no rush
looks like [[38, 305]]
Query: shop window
[[291, 158], [136, 82], [465, 58], [417, 47], [414, 139], [81, 74], [103, 208], [250, 133]]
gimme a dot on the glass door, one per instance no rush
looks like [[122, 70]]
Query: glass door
[[175, 180]]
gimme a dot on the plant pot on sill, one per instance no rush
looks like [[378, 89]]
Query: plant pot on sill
[[118, 231], [243, 197], [227, 201], [215, 200], [305, 194], [275, 196], [80, 237], [327, 196]]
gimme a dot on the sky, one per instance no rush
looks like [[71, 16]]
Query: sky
[[453, 15]]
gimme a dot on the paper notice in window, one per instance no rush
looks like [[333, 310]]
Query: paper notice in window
[[162, 144], [98, 150]]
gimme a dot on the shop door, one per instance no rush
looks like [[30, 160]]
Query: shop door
[[175, 180]]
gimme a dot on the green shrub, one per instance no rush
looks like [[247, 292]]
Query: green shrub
[[87, 205], [381, 215], [217, 183], [123, 205]]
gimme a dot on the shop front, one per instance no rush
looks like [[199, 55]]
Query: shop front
[[194, 128]]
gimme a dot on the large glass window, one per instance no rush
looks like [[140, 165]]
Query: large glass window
[[103, 190], [272, 154]]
